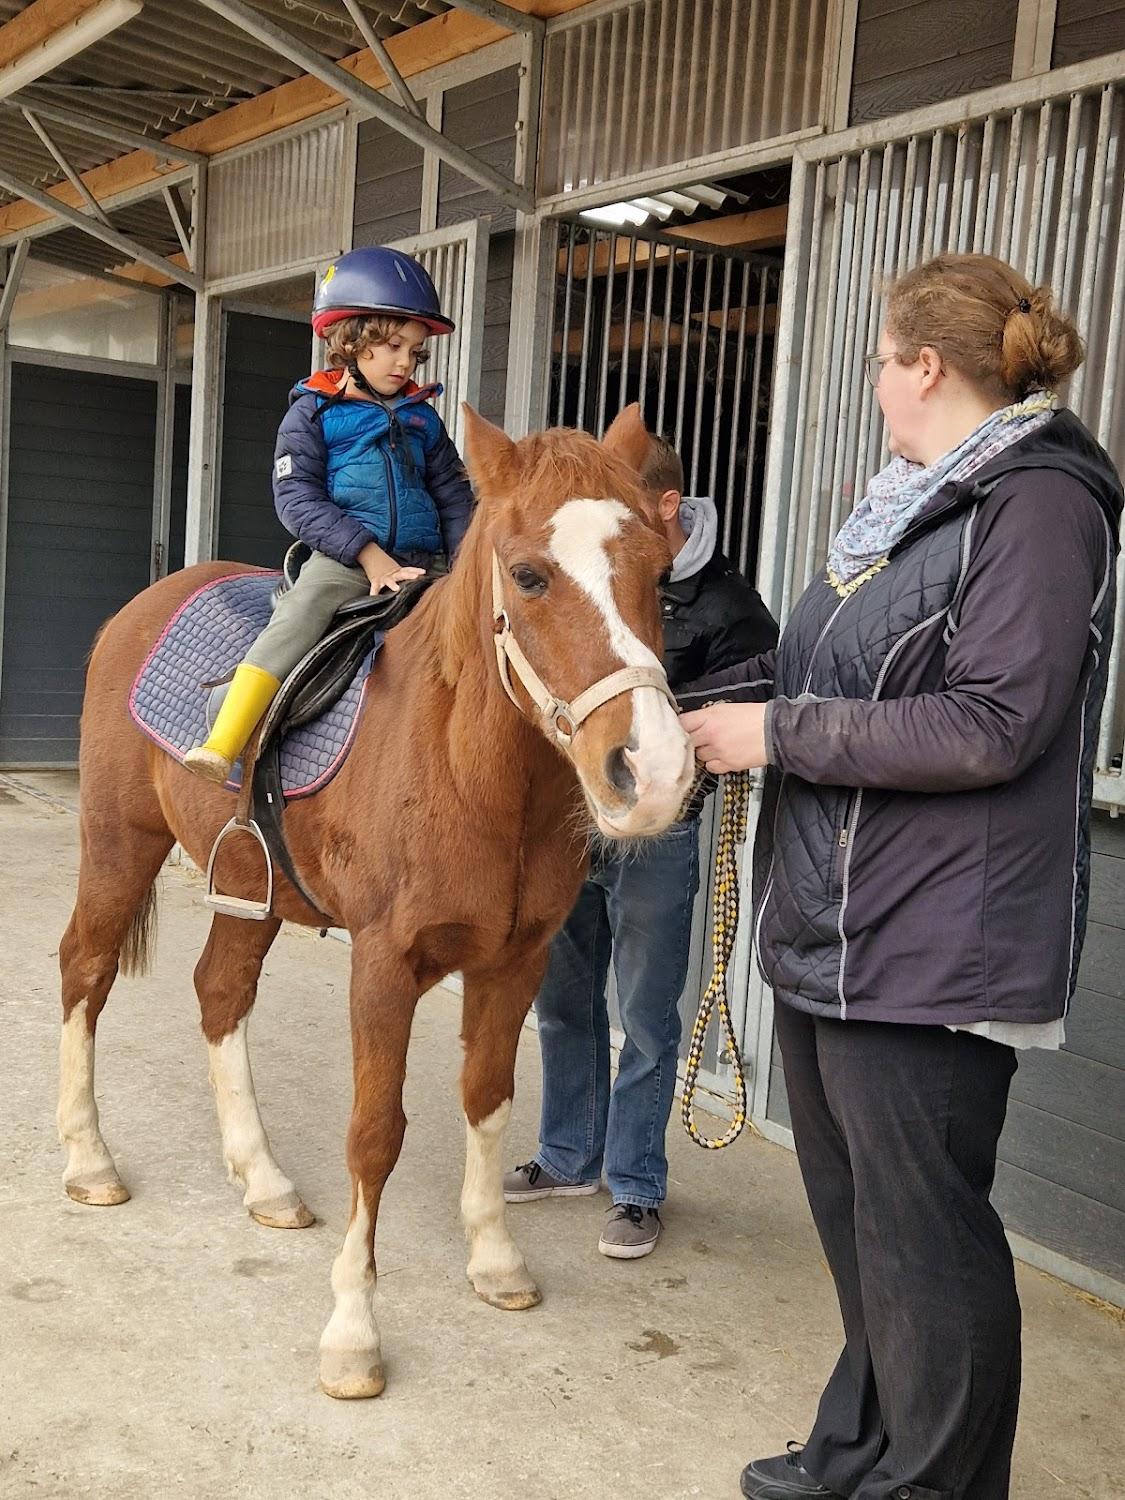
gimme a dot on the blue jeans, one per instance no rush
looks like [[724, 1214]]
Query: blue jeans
[[635, 909]]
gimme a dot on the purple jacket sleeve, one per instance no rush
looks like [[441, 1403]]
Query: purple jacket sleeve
[[450, 489], [1023, 632], [748, 682], [300, 488]]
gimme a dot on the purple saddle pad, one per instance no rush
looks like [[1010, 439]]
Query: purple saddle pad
[[204, 641]]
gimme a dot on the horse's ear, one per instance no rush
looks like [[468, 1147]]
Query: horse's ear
[[628, 438], [490, 455]]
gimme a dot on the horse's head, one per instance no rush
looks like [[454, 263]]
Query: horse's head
[[574, 560]]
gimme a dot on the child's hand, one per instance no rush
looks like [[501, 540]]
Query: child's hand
[[392, 579]]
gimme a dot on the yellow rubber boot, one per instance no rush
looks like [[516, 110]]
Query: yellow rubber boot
[[251, 692]]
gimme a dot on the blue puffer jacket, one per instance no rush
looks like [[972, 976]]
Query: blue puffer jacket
[[348, 472]]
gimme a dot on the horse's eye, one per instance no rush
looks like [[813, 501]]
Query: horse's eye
[[528, 581]]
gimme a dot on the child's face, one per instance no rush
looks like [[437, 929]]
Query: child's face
[[387, 367]]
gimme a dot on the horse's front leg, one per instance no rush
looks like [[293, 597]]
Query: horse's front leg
[[496, 1002], [383, 997]]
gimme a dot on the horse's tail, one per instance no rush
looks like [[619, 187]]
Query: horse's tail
[[140, 940]]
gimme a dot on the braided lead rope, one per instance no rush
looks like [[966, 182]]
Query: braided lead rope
[[732, 832]]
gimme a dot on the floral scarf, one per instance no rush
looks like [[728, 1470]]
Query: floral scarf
[[899, 492]]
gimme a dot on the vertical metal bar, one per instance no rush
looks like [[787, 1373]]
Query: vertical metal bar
[[958, 218], [720, 372], [646, 327], [1035, 225], [697, 143], [1113, 347], [627, 321], [162, 454], [701, 372], [568, 295], [985, 223], [596, 118], [842, 399], [17, 259], [732, 447], [607, 328], [810, 291], [1096, 234], [661, 145], [752, 435], [587, 317], [735, 35], [845, 403], [752, 76], [639, 120], [910, 203], [205, 434], [628, 103], [767, 124], [798, 294], [1014, 188], [611, 138], [579, 140], [789, 118], [933, 183], [869, 424], [567, 42], [685, 348], [672, 103], [821, 418], [1062, 267], [662, 387]]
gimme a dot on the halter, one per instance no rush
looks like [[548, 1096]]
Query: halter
[[560, 718]]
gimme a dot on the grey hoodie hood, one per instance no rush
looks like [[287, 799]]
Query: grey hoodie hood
[[700, 521]]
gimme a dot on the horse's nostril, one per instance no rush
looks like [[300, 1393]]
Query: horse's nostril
[[617, 772]]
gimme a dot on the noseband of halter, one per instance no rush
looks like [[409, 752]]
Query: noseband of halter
[[560, 719]]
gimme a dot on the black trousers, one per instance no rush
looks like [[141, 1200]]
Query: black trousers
[[896, 1130]]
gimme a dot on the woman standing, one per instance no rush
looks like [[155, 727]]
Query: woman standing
[[921, 870]]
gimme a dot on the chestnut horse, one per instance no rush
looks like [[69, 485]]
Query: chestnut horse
[[453, 838]]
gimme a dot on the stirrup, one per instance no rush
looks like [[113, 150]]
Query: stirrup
[[240, 906]]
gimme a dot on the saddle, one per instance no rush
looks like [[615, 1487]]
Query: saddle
[[314, 685]]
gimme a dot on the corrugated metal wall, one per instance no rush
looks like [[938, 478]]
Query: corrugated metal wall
[[277, 205], [661, 81], [79, 543]]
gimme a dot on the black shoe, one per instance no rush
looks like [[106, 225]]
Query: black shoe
[[783, 1478]]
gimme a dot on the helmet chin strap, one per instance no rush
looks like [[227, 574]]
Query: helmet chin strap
[[362, 381]]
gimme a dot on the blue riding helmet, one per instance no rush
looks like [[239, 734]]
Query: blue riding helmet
[[377, 280]]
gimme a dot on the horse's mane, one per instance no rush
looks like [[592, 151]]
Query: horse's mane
[[554, 466]]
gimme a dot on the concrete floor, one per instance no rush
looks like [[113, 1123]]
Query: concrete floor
[[168, 1346]]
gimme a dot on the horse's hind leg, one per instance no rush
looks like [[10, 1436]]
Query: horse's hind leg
[[226, 981], [111, 926]]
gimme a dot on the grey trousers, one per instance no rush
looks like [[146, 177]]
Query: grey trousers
[[304, 613]]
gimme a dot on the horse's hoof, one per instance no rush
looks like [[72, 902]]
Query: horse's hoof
[[286, 1212], [101, 1189], [351, 1375], [517, 1301]]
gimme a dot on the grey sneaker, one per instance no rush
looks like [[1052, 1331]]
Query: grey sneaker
[[525, 1184], [630, 1232]]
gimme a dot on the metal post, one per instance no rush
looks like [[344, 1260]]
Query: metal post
[[529, 349], [200, 527], [165, 419], [17, 259], [67, 170], [384, 58]]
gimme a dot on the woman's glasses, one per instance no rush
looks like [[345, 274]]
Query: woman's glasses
[[873, 366]]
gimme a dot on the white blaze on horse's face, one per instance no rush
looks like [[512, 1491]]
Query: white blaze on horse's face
[[646, 795]]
